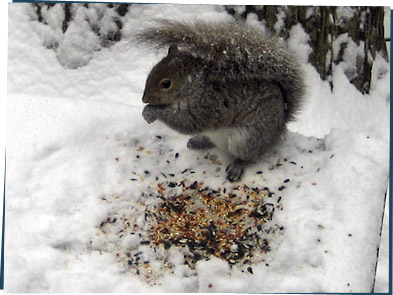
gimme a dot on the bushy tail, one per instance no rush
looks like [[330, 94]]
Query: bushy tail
[[235, 50]]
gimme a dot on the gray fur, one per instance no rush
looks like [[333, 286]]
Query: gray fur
[[225, 79]]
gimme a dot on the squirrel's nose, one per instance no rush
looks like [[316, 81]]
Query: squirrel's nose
[[144, 98]]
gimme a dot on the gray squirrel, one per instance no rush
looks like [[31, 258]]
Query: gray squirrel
[[223, 83]]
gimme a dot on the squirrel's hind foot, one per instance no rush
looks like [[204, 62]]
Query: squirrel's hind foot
[[200, 142], [236, 169]]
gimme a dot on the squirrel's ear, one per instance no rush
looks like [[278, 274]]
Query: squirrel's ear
[[172, 50]]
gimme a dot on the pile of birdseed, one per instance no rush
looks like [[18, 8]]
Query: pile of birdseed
[[232, 223], [228, 225]]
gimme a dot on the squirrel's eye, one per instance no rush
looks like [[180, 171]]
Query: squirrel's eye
[[165, 83]]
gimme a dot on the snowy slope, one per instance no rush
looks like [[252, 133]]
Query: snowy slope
[[79, 155]]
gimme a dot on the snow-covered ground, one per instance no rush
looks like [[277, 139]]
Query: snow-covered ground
[[82, 162]]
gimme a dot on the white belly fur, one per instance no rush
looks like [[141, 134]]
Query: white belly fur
[[228, 139]]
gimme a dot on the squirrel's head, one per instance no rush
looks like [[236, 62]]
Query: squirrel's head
[[167, 79]]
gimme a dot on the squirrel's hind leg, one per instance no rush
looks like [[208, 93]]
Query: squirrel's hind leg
[[200, 142]]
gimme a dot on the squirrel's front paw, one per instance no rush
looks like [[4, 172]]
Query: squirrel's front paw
[[200, 142], [149, 113]]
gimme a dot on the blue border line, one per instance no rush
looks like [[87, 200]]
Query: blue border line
[[3, 229], [390, 163]]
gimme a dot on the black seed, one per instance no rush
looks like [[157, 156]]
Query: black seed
[[172, 184], [133, 179], [137, 156], [331, 156], [102, 224], [167, 245], [145, 242], [184, 171], [194, 185], [286, 180], [292, 162], [129, 262], [279, 199], [159, 137], [171, 175], [163, 174], [176, 155], [147, 171], [310, 152], [281, 188], [137, 272], [278, 165], [114, 220], [281, 228], [249, 269], [259, 172]]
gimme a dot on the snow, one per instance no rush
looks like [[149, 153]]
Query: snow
[[76, 140], [279, 24], [298, 43]]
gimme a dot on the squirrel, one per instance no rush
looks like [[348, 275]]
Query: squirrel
[[225, 84]]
